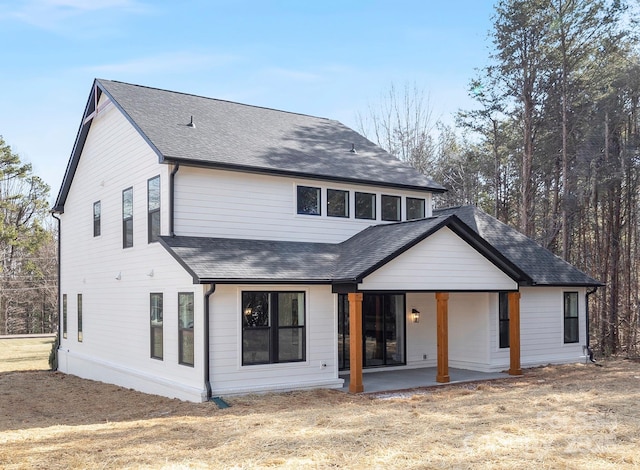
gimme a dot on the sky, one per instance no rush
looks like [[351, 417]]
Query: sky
[[328, 58]]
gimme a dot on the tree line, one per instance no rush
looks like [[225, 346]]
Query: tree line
[[552, 146]]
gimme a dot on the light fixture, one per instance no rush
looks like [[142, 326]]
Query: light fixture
[[119, 276], [415, 315], [150, 273]]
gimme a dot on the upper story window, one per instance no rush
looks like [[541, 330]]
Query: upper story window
[[97, 213], [391, 208], [415, 208], [127, 218], [571, 333], [365, 206], [153, 209], [337, 203], [308, 200]]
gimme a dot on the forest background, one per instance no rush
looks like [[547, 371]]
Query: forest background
[[551, 148]]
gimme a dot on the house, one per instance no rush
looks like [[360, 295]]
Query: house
[[214, 248]]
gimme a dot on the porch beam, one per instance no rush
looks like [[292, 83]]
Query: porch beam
[[514, 333], [355, 342], [442, 314]]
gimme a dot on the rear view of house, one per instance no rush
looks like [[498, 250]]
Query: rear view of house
[[212, 248]]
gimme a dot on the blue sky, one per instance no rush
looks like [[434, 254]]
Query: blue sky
[[325, 58]]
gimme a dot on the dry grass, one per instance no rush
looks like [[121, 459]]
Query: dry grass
[[574, 416]]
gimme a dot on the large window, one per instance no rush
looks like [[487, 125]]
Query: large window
[[308, 200], [127, 218], [503, 319], [185, 328], [80, 317], [97, 212], [273, 327], [390, 208], [571, 333], [337, 203], [64, 315], [153, 209], [155, 309], [365, 206], [415, 208]]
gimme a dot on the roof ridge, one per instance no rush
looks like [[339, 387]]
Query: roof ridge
[[102, 80]]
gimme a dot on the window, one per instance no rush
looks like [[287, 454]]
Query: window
[[343, 332], [391, 208], [365, 206], [185, 328], [308, 200], [153, 209], [64, 315], [571, 334], [96, 219], [156, 325], [337, 203], [273, 327], [127, 218], [415, 208], [503, 319], [80, 317]]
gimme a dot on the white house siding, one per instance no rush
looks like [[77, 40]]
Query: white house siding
[[217, 203], [229, 376], [116, 322], [443, 262]]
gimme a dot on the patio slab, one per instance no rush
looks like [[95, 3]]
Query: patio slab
[[392, 380]]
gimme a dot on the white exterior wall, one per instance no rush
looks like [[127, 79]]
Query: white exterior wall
[[442, 262], [320, 369], [116, 319], [227, 204]]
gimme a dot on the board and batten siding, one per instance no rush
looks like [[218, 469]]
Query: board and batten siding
[[227, 204], [229, 376], [441, 262], [116, 320]]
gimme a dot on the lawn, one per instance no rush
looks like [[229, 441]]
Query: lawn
[[574, 416]]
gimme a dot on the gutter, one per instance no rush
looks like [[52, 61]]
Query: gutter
[[172, 195], [53, 214], [586, 311], [207, 375]]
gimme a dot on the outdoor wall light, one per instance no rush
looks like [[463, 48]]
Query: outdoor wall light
[[119, 276], [415, 315]]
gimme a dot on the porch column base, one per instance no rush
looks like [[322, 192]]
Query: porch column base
[[355, 343], [442, 312]]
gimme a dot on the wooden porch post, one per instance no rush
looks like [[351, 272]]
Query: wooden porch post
[[442, 300], [514, 333], [355, 342]]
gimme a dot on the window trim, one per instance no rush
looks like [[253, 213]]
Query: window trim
[[573, 319], [151, 212], [79, 312], [345, 214], [374, 209], [182, 330], [318, 203], [126, 220], [398, 200], [274, 328], [97, 218], [153, 328], [424, 207]]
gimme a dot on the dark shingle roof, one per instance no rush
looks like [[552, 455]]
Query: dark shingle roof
[[235, 260], [234, 135]]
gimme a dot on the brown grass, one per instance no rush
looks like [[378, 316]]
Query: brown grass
[[575, 416]]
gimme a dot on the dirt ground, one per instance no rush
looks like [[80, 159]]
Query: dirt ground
[[573, 416]]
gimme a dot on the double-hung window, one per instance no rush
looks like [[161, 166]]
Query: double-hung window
[[127, 218], [571, 333], [308, 200], [185, 328], [97, 212], [273, 327], [155, 309], [503, 319], [153, 209]]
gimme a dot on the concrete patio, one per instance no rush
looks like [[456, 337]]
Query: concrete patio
[[386, 380]]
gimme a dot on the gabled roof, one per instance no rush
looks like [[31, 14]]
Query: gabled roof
[[233, 260], [247, 138]]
